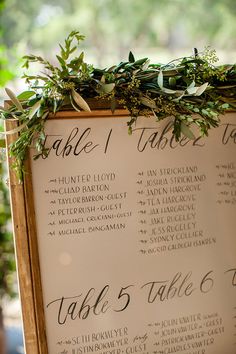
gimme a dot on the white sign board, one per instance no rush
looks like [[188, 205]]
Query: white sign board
[[136, 238]]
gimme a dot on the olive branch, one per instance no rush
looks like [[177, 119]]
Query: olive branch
[[192, 90]]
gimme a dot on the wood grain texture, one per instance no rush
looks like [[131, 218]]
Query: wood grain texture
[[25, 239], [34, 260], [22, 251], [102, 113]]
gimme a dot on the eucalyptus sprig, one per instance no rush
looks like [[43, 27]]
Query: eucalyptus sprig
[[191, 90]]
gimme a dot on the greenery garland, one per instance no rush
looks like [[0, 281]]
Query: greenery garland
[[192, 90]]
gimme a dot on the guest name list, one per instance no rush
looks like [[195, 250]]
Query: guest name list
[[137, 238]]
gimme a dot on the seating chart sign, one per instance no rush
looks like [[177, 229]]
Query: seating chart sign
[[136, 237]]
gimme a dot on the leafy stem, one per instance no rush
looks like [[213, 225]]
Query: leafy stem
[[192, 90]]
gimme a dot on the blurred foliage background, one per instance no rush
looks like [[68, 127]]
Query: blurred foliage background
[[159, 29]]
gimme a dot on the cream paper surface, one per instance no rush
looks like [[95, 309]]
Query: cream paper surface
[[137, 238]]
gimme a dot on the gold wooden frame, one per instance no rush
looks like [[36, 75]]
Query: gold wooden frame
[[25, 239]]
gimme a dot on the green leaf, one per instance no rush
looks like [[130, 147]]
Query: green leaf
[[26, 64], [169, 91], [191, 90], [225, 105], [107, 88], [113, 104], [146, 65], [45, 115], [131, 57], [77, 62], [192, 84], [177, 99], [34, 109], [63, 53], [172, 81], [14, 99], [160, 79], [24, 96], [186, 131], [15, 130], [140, 61], [80, 101], [205, 112], [201, 89], [148, 102], [103, 79], [74, 105], [72, 50], [61, 60], [54, 105]]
